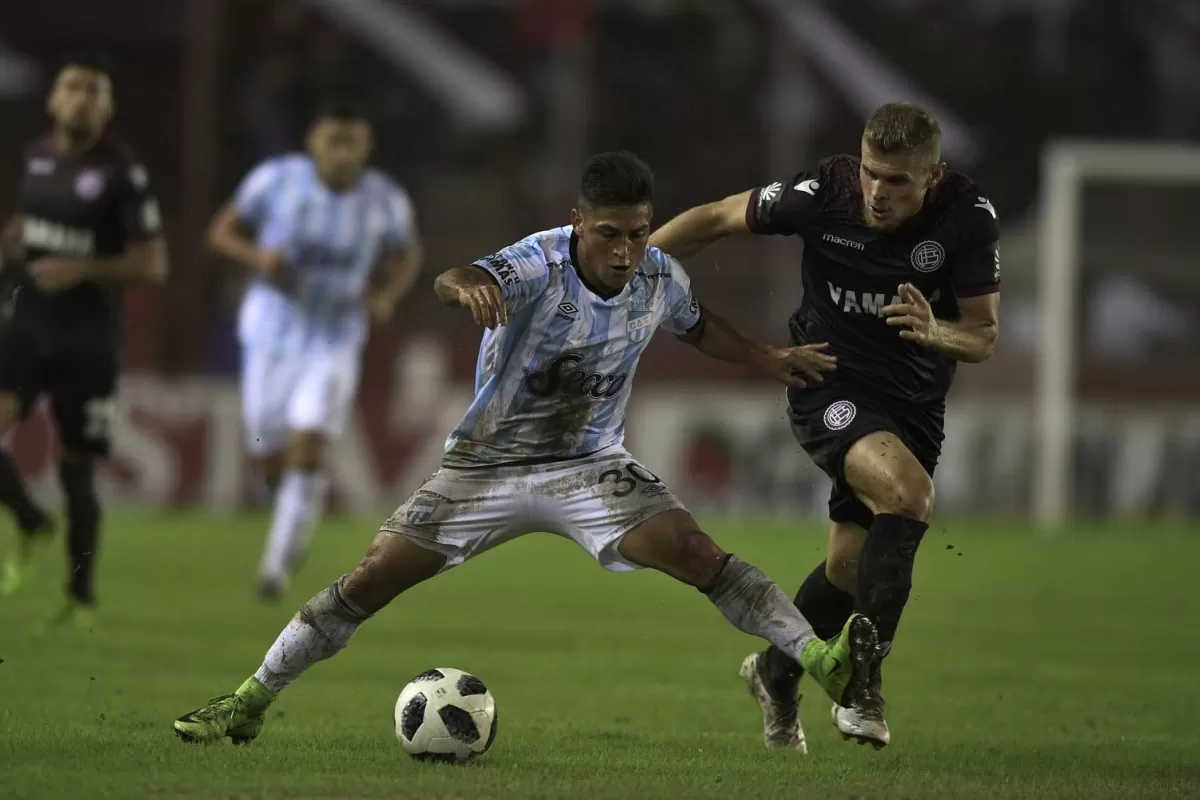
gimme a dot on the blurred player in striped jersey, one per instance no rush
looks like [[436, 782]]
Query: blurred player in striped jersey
[[329, 242], [569, 312]]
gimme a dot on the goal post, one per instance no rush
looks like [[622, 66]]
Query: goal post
[[1066, 166]]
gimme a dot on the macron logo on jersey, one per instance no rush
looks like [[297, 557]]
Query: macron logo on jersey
[[987, 206], [809, 187], [829, 237]]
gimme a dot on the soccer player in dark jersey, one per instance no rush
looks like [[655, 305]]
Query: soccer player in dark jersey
[[901, 278], [86, 226]]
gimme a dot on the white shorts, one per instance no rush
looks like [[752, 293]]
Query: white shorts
[[593, 501], [285, 393]]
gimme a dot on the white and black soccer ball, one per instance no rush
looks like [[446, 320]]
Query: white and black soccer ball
[[446, 714]]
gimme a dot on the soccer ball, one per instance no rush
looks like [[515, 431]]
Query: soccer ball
[[446, 714]]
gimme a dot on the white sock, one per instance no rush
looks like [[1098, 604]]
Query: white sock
[[319, 630], [757, 606], [299, 504]]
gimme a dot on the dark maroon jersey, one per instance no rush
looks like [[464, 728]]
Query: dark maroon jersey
[[94, 205], [850, 271]]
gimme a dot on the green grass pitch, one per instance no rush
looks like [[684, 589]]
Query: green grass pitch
[[1025, 667]]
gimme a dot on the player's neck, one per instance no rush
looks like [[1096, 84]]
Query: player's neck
[[71, 145]]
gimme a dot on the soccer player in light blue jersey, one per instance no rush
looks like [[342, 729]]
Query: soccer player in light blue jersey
[[568, 313], [330, 243]]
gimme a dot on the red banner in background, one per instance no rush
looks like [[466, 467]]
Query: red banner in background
[[723, 449]]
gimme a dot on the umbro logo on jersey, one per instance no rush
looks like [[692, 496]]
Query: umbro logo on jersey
[[567, 312]]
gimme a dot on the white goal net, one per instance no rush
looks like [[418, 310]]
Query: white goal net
[[1119, 340]]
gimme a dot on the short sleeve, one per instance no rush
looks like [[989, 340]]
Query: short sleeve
[[521, 270], [251, 201], [786, 206], [682, 310], [975, 268], [138, 213]]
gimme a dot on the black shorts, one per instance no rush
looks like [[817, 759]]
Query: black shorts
[[828, 418], [80, 377]]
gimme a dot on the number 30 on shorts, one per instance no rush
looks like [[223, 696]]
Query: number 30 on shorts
[[626, 480]]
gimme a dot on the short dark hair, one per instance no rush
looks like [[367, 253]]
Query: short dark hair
[[342, 109], [94, 60], [901, 128], [617, 178]]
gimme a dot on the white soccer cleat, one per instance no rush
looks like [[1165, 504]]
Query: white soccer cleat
[[781, 720], [862, 725]]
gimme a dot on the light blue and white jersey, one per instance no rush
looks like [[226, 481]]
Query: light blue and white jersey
[[333, 242], [554, 382]]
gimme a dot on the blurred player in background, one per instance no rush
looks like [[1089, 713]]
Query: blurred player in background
[[329, 242], [901, 276], [569, 312], [86, 226]]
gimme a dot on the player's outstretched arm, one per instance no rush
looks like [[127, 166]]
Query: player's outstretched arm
[[795, 366], [473, 288], [702, 226], [971, 338]]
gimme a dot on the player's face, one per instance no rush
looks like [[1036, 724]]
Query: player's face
[[894, 185], [612, 242], [340, 149], [81, 101]]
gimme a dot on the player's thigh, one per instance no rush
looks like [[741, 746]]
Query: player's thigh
[[392, 564], [83, 398], [324, 395], [673, 543], [620, 512], [887, 477], [846, 541], [461, 513], [267, 384], [306, 449], [861, 445]]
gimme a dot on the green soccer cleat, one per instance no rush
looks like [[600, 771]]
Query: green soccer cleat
[[239, 716], [843, 665], [18, 567]]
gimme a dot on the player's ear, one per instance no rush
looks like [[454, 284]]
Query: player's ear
[[577, 221], [936, 173]]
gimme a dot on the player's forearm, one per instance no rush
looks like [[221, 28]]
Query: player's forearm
[[235, 247], [403, 272], [691, 231], [450, 283], [968, 341], [717, 339], [11, 245], [145, 262]]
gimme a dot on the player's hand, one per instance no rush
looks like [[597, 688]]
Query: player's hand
[[381, 307], [54, 274], [913, 313], [486, 303], [797, 366]]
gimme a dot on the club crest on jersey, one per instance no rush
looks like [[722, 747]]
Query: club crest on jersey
[[840, 414], [928, 256], [89, 184], [639, 327]]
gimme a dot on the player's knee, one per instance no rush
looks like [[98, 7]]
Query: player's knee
[[392, 565], [911, 496], [307, 450]]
